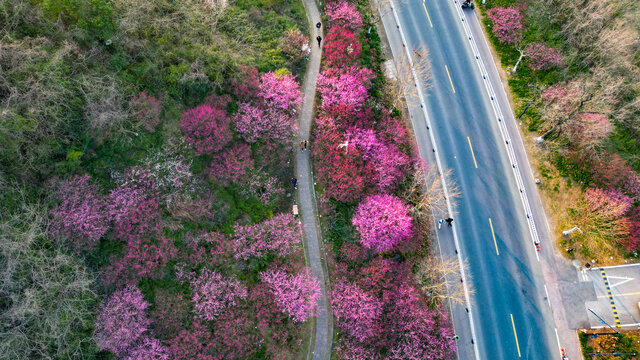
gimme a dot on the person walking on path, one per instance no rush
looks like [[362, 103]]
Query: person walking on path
[[302, 146], [319, 38], [294, 181], [449, 221], [318, 25], [440, 221], [306, 144]]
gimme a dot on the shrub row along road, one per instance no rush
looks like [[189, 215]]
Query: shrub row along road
[[323, 331], [511, 316]]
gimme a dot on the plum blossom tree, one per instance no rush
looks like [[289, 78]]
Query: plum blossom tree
[[148, 348], [383, 222], [245, 85], [81, 216], [262, 186], [296, 295], [255, 123], [279, 90], [609, 204], [542, 57], [610, 170], [340, 167], [348, 87], [506, 24], [211, 293], [195, 342], [587, 130], [231, 165], [294, 44], [358, 313], [278, 235], [206, 129], [121, 321], [343, 14], [342, 48]]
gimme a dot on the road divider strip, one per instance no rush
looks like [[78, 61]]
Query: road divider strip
[[425, 10], [494, 237], [515, 334], [472, 154]]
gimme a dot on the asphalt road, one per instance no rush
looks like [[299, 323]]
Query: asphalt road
[[511, 316]]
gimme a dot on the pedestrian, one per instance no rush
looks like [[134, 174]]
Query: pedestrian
[[319, 38], [302, 147], [449, 221], [306, 144], [294, 181], [440, 221], [318, 25]]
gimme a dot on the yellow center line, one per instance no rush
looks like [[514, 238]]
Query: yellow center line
[[515, 334], [449, 75], [428, 17], [472, 154], [494, 237], [627, 294]]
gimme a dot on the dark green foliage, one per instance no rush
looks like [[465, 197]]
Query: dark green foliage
[[340, 228]]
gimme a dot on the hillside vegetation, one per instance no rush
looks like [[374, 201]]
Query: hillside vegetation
[[577, 87]]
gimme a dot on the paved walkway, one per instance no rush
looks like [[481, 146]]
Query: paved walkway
[[323, 331]]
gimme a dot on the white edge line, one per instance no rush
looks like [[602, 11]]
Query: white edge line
[[558, 339], [444, 184], [546, 292], [621, 325], [618, 266]]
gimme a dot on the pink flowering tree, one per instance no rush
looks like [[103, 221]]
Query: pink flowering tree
[[148, 348], [146, 110], [279, 91], [211, 292], [295, 295], [358, 313], [609, 204], [344, 87], [254, 123], [278, 235], [245, 84], [506, 24], [81, 216], [610, 170], [342, 48], [171, 310], [121, 321], [587, 130], [231, 165], [542, 57], [206, 129], [195, 342], [383, 222], [343, 14]]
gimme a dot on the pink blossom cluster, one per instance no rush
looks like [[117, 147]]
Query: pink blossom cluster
[[206, 129], [610, 170], [142, 258], [342, 48], [344, 87], [81, 216], [121, 321], [245, 85], [231, 165], [357, 313], [148, 348], [255, 123], [506, 24], [262, 186], [383, 222], [278, 235], [195, 342], [279, 91], [147, 110], [344, 15], [211, 292], [610, 204], [589, 129], [296, 295], [542, 57], [136, 185]]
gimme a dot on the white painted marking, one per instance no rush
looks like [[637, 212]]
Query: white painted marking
[[624, 280], [547, 293]]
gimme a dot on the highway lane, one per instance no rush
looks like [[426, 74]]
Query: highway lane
[[511, 316]]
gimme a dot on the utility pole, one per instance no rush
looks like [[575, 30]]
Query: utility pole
[[602, 321]]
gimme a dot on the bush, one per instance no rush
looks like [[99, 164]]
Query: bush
[[383, 222]]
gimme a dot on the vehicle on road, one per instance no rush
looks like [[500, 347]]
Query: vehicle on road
[[468, 4]]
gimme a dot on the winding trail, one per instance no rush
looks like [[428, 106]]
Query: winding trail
[[322, 335]]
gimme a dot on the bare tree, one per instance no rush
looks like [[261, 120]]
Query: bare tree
[[440, 280], [426, 193], [402, 89]]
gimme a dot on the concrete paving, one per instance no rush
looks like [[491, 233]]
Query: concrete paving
[[617, 290], [314, 247]]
